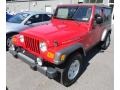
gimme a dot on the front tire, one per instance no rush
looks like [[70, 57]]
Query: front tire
[[8, 42], [73, 70]]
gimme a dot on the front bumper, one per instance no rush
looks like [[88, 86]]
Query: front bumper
[[50, 72]]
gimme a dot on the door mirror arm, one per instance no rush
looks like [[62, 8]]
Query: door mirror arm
[[99, 20]]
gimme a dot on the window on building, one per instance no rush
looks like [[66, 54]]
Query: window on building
[[111, 1], [96, 1], [87, 1], [92, 1], [99, 1]]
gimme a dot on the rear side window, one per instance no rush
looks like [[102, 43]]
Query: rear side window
[[36, 18], [46, 17], [104, 12], [107, 12]]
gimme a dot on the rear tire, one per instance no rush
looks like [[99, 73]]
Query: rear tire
[[73, 69], [106, 42]]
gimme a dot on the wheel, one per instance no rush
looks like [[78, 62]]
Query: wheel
[[12, 47], [8, 42], [106, 42], [73, 69]]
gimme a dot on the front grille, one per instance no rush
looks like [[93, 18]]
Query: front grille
[[32, 44]]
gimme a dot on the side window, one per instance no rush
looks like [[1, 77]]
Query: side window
[[100, 12], [36, 18], [97, 12], [103, 14], [107, 14], [83, 13], [46, 17]]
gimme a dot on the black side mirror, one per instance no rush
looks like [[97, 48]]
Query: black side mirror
[[99, 20], [28, 23]]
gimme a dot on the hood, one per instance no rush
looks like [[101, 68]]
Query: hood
[[57, 31], [13, 27]]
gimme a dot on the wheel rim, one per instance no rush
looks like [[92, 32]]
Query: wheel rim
[[9, 42], [107, 41], [73, 70]]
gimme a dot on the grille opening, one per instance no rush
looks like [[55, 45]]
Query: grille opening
[[32, 44]]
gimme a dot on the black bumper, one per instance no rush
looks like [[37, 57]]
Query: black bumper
[[50, 72]]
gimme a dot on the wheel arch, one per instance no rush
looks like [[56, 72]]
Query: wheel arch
[[77, 48], [11, 33]]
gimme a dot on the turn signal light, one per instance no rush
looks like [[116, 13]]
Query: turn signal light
[[50, 55], [14, 40], [62, 57]]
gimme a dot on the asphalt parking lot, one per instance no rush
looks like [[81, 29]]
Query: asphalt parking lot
[[99, 74]]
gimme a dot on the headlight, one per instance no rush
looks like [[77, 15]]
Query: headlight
[[43, 46], [21, 38]]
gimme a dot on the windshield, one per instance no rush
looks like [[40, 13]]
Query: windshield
[[81, 13], [18, 18]]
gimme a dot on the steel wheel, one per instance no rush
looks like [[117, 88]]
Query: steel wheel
[[9, 42], [73, 70], [106, 43]]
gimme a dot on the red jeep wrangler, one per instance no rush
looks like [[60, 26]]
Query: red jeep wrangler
[[57, 48]]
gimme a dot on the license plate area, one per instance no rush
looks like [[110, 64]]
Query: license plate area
[[26, 53]]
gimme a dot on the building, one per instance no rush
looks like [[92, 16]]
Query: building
[[106, 2], [47, 5], [36, 5]]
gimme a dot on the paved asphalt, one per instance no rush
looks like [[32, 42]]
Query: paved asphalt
[[99, 74]]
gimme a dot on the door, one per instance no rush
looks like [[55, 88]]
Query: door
[[83, 16], [98, 28]]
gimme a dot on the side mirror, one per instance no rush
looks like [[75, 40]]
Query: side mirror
[[99, 20], [28, 23]]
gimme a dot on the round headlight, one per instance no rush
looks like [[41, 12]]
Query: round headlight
[[43, 46], [21, 38]]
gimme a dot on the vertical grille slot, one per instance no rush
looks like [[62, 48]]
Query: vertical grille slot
[[32, 44]]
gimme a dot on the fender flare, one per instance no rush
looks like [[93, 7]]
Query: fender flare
[[67, 51], [105, 32], [11, 33]]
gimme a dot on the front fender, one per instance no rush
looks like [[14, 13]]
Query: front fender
[[67, 51]]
